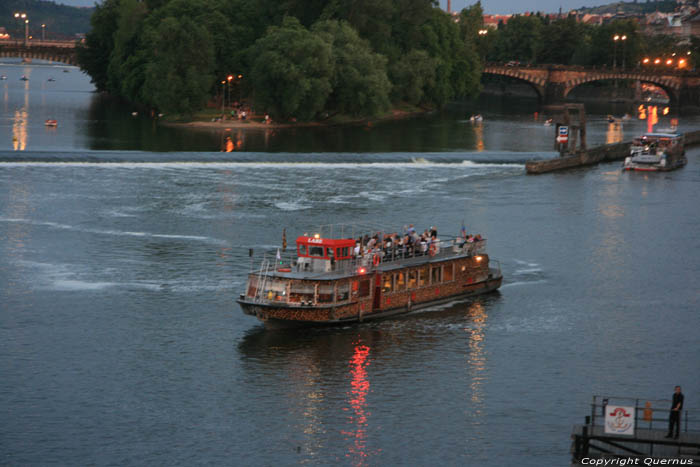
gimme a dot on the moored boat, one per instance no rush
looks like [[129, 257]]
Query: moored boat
[[51, 122], [653, 152], [335, 280]]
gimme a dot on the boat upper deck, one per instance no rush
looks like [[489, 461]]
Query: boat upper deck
[[323, 258]]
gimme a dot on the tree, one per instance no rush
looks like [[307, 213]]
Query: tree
[[94, 56], [292, 70], [360, 83], [179, 73], [411, 75], [520, 39]]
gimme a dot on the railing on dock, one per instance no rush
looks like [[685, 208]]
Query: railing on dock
[[648, 414], [649, 439]]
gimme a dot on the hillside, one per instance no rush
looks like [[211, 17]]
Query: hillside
[[62, 22], [636, 7]]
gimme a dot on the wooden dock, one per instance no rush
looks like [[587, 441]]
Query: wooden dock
[[647, 440]]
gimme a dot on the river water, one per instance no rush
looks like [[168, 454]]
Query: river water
[[124, 246]]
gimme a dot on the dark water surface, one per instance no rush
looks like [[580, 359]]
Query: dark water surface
[[121, 343]]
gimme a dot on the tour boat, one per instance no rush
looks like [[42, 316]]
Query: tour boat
[[51, 122], [343, 279], [654, 152]]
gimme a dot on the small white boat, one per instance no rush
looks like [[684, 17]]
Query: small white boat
[[3, 77], [548, 122], [654, 152], [24, 78], [476, 118]]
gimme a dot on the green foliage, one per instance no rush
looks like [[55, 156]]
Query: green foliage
[[292, 70], [178, 75], [94, 56], [360, 83], [298, 58], [520, 39]]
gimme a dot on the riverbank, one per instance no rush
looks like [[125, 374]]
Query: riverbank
[[258, 121]]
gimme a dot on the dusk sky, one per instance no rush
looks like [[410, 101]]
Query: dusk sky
[[490, 6]]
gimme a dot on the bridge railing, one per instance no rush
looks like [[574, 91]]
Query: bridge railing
[[606, 69], [37, 43]]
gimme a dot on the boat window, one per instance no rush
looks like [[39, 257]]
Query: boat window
[[329, 252], [325, 293], [448, 272], [346, 252], [387, 283], [302, 249], [315, 251], [412, 279], [423, 277], [364, 288], [436, 275], [275, 290], [301, 293], [401, 281], [343, 292]]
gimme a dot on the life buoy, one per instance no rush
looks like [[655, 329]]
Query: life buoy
[[376, 259], [284, 269]]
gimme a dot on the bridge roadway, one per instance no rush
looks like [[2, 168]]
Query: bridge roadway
[[55, 51], [554, 82]]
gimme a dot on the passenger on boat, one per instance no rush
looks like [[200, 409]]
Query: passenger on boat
[[423, 245]]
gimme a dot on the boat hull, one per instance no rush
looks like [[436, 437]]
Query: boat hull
[[632, 166], [274, 316]]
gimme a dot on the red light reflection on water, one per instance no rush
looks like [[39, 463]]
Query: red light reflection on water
[[359, 385]]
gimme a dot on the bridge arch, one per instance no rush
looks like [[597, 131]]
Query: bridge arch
[[669, 84], [538, 83]]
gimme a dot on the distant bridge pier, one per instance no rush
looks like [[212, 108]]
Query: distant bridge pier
[[554, 94]]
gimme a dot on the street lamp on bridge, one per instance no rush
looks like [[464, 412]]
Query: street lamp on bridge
[[623, 38], [43, 32]]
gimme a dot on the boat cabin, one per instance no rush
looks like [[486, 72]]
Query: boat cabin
[[316, 254], [657, 144]]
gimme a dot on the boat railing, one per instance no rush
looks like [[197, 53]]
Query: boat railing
[[287, 261], [651, 414]]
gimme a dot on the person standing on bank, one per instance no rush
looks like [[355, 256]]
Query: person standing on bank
[[674, 417]]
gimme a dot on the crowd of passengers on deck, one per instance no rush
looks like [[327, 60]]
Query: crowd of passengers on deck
[[385, 247]]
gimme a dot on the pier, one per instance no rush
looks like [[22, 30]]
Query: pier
[[592, 156], [599, 439]]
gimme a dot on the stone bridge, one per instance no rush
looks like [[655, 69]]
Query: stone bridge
[[55, 51], [554, 82]]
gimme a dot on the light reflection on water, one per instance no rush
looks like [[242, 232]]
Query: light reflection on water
[[357, 399], [476, 357]]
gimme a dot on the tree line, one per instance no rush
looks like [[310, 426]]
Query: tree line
[[539, 39], [297, 59]]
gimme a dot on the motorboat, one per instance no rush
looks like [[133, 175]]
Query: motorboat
[[658, 151]]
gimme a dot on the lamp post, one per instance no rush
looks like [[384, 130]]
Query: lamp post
[[240, 91], [223, 95], [616, 38], [229, 78], [22, 16], [43, 32], [623, 39]]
